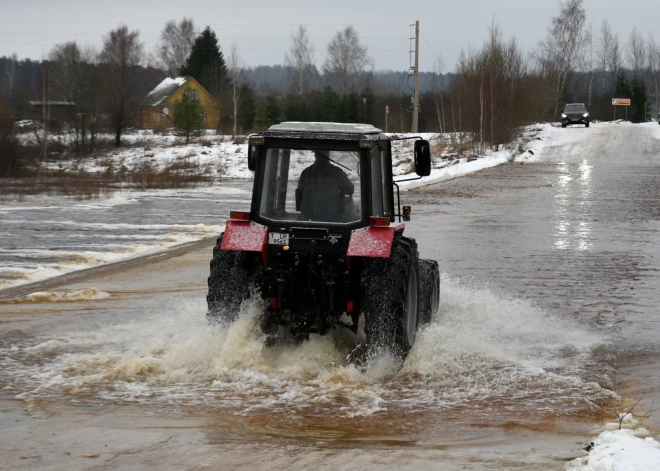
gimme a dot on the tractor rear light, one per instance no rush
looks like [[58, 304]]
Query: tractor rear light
[[256, 141], [273, 303], [239, 216], [349, 306], [379, 222]]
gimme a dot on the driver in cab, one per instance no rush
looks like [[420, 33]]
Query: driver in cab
[[321, 191]]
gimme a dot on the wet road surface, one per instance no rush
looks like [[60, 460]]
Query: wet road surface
[[548, 319]]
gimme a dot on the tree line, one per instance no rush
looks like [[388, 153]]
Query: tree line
[[491, 92]]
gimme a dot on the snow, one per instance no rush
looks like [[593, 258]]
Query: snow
[[163, 90], [628, 449]]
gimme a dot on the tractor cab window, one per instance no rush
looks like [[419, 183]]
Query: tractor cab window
[[313, 185]]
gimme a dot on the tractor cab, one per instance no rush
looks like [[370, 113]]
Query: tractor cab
[[325, 175]]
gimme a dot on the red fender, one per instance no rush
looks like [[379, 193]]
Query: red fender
[[372, 241], [246, 236]]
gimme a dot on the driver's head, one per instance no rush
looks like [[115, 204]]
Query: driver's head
[[320, 156]]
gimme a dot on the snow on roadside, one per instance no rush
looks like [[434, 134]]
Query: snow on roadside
[[218, 156], [629, 449]]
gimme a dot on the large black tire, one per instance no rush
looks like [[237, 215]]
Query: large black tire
[[586, 125], [429, 290], [391, 290], [233, 279]]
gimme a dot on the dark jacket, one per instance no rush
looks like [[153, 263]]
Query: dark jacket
[[321, 191]]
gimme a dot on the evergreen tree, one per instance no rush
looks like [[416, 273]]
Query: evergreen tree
[[622, 86], [188, 116], [268, 112], [206, 64], [327, 105], [639, 109], [248, 109]]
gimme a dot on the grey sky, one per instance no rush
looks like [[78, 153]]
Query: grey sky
[[261, 29]]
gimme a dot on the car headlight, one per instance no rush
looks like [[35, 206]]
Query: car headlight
[[563, 115], [586, 115]]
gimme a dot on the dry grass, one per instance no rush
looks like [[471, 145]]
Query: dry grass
[[240, 140]]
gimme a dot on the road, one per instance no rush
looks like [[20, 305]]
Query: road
[[548, 321]]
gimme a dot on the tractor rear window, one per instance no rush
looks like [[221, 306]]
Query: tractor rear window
[[316, 185]]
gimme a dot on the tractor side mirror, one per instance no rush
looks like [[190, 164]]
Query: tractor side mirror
[[252, 157], [422, 158], [406, 213]]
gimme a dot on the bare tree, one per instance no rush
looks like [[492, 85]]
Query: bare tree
[[604, 51], [616, 58], [636, 52], [65, 65], [563, 45], [589, 52], [300, 57], [234, 66], [10, 76], [122, 52], [438, 86], [654, 67], [346, 58], [176, 41]]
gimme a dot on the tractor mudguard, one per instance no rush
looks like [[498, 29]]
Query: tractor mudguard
[[372, 241], [246, 236]]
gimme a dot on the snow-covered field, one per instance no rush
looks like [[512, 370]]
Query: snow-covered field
[[217, 156]]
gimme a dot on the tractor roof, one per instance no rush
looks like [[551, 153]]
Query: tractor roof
[[325, 128]]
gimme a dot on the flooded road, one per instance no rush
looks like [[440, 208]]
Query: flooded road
[[548, 319]]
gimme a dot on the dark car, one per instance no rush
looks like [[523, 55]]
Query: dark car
[[575, 113]]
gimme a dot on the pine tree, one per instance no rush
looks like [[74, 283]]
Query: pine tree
[[639, 112], [206, 64], [622, 86], [188, 116], [248, 109], [268, 112]]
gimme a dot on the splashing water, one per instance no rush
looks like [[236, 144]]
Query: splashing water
[[482, 351]]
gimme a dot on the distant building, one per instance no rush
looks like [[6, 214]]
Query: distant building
[[58, 111], [157, 109]]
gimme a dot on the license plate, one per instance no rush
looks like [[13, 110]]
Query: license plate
[[277, 238]]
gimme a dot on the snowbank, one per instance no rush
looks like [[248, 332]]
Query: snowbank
[[628, 449]]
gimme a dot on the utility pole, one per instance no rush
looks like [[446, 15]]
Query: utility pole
[[415, 120]]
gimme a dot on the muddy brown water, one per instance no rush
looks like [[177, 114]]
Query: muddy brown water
[[548, 321]]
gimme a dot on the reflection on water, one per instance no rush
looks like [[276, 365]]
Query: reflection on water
[[572, 208]]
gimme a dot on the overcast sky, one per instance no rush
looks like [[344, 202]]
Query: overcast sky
[[261, 29]]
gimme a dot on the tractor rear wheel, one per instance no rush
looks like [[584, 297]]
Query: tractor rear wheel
[[429, 290], [391, 299], [233, 278]]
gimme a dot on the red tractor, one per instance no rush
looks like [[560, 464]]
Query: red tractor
[[321, 244]]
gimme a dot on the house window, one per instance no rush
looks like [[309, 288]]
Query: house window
[[204, 117], [191, 94], [156, 118]]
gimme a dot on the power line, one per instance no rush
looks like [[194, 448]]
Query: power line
[[218, 36], [209, 24]]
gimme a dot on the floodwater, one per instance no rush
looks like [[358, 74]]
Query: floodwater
[[46, 236], [548, 320]]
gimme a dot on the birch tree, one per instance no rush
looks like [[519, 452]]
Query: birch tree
[[300, 58], [636, 52], [176, 41], [603, 52], [346, 59], [10, 76], [563, 46], [234, 65]]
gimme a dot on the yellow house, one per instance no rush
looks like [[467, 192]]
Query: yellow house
[[157, 110]]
